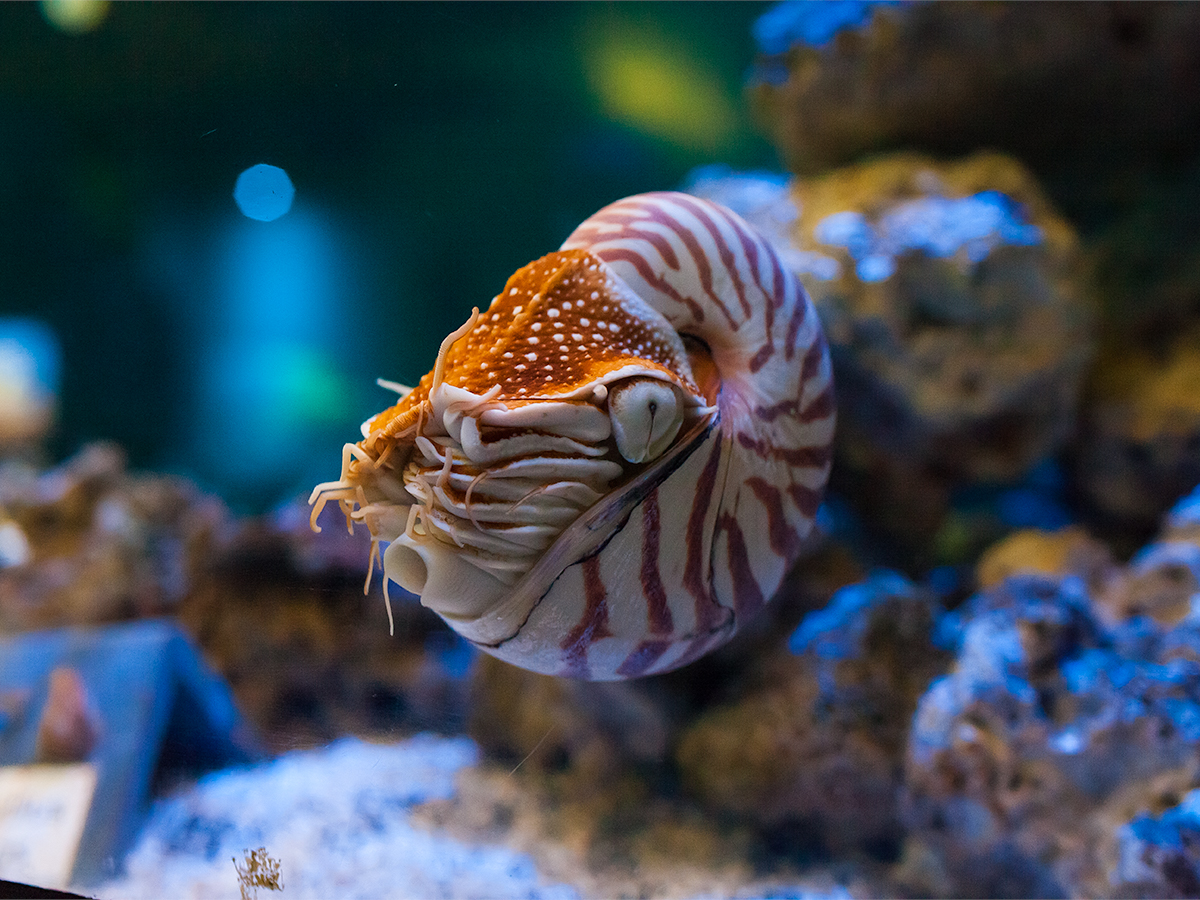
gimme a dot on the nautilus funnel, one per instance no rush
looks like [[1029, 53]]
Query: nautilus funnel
[[618, 459]]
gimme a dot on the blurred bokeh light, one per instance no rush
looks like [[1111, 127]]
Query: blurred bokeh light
[[75, 16], [661, 88], [29, 378], [271, 382], [263, 192]]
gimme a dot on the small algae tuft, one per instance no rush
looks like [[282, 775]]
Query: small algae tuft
[[258, 870]]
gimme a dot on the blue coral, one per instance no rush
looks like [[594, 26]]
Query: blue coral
[[937, 226], [812, 23], [1162, 853], [1186, 512], [834, 632]]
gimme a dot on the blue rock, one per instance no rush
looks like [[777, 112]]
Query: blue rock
[[160, 707], [884, 616]]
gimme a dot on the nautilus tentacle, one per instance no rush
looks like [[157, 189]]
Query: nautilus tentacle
[[619, 459]]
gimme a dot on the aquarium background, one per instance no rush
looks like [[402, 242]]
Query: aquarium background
[[980, 678], [433, 148]]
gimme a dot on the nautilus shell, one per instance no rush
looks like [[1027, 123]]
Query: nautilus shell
[[615, 463]]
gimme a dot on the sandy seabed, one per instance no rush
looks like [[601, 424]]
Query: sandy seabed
[[337, 819]]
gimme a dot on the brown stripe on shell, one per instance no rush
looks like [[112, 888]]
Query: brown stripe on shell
[[699, 259], [658, 611], [773, 412], [759, 359], [820, 407], [698, 564], [592, 625], [784, 539], [799, 314], [810, 366], [797, 457], [747, 595], [807, 500], [644, 657], [773, 298], [628, 223], [638, 261], [723, 249]]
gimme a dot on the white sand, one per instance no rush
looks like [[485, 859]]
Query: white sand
[[337, 820]]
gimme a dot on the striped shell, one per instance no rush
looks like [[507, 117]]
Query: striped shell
[[619, 460]]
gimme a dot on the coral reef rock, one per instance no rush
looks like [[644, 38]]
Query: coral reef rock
[[283, 616], [1069, 550], [89, 542], [1162, 580], [1138, 447], [1067, 727], [956, 318], [816, 742], [1159, 856], [1064, 86], [279, 611], [957, 322]]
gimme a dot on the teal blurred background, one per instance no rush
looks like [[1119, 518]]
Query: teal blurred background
[[434, 149]]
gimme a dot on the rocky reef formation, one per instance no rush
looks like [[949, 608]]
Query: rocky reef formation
[[1041, 736], [85, 543], [1067, 727], [1067, 88], [836, 83], [958, 322], [815, 741], [278, 610], [1139, 439]]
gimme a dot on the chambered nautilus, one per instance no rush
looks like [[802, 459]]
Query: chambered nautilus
[[619, 459]]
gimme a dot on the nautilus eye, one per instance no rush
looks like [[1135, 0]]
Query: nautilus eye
[[646, 415], [618, 459]]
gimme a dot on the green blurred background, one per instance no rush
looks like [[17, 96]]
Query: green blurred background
[[434, 148]]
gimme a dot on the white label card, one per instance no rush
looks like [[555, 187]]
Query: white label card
[[43, 809]]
